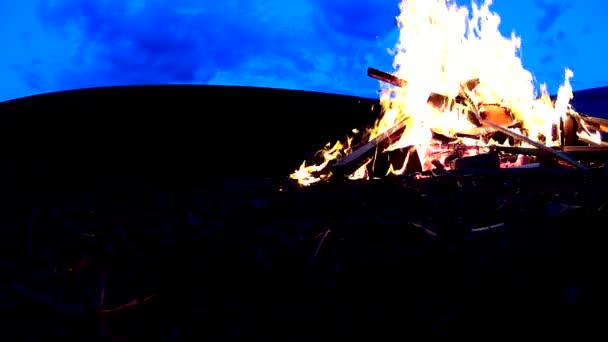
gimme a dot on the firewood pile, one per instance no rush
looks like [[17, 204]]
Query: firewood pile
[[574, 142], [447, 255]]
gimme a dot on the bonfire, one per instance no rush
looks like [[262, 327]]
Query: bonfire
[[459, 98]]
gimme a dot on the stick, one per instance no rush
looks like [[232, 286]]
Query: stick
[[587, 140], [555, 154], [586, 149], [518, 150], [602, 124], [386, 77], [133, 303], [590, 153], [366, 148], [398, 82], [314, 255]]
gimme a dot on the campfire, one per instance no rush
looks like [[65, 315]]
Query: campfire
[[460, 99]]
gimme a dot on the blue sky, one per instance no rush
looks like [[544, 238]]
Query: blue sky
[[318, 45]]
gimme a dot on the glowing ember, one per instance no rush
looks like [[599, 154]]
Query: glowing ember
[[441, 48]]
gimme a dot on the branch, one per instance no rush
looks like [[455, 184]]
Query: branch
[[133, 303], [553, 153]]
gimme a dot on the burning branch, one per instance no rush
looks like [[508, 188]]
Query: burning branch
[[352, 161], [345, 164], [553, 153], [598, 123], [563, 156], [386, 77]]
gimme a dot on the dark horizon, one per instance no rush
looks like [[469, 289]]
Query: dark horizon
[[592, 101], [588, 92]]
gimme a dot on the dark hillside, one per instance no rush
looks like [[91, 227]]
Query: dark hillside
[[171, 133]]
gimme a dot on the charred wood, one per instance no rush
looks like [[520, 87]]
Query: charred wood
[[590, 154], [571, 127], [586, 149], [518, 150], [564, 157], [481, 161], [386, 77], [599, 123], [363, 152]]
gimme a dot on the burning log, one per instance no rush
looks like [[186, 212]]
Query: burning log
[[593, 154], [586, 149], [569, 131], [564, 157], [598, 123], [386, 77], [402, 161], [354, 160], [580, 129], [547, 150], [362, 153]]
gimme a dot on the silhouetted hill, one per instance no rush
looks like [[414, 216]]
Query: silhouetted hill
[[173, 132], [181, 133]]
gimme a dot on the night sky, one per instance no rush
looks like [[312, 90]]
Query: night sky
[[320, 45]]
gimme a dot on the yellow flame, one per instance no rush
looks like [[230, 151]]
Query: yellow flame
[[441, 48], [361, 172], [308, 174]]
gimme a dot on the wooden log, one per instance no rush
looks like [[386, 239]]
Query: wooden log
[[599, 123], [386, 77], [575, 122], [594, 154], [361, 153], [564, 157], [397, 160], [561, 156], [579, 153]]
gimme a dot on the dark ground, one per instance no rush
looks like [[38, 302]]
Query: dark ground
[[215, 255]]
